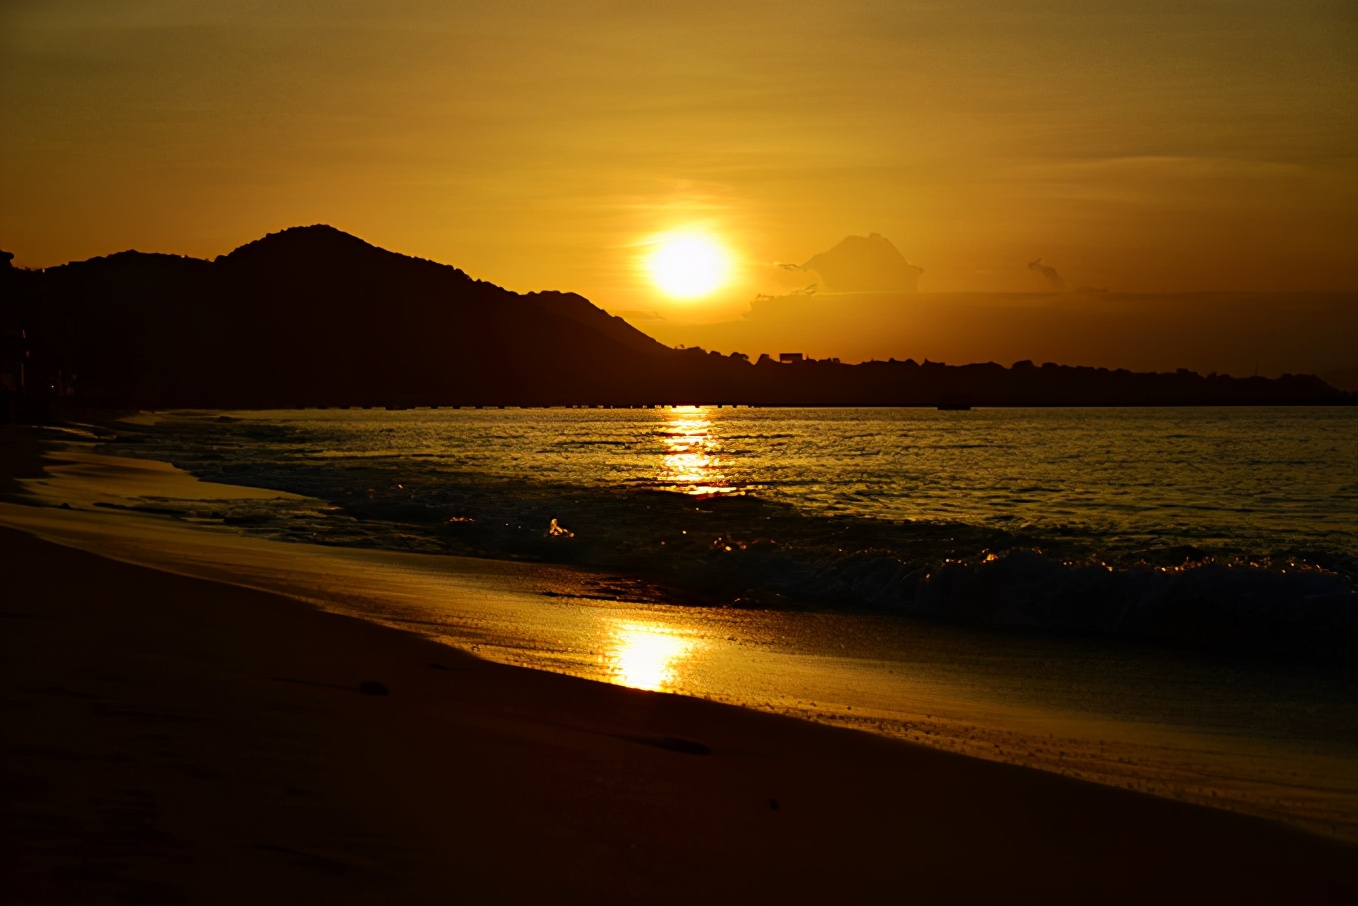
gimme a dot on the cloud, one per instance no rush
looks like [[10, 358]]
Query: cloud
[[639, 315], [857, 264], [870, 264], [1049, 273]]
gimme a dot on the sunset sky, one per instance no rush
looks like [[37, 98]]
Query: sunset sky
[[1145, 147]]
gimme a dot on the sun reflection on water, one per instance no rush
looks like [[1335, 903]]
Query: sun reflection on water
[[647, 656], [692, 464]]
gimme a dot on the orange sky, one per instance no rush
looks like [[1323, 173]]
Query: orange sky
[[1143, 147]]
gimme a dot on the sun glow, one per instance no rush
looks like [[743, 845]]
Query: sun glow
[[688, 265]]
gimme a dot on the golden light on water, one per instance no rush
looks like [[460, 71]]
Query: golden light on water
[[692, 464], [647, 656]]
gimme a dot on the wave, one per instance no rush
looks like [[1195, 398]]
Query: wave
[[1297, 610], [747, 550], [741, 551]]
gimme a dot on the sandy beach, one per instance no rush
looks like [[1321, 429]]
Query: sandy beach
[[170, 739]]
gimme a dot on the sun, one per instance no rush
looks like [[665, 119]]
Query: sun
[[688, 265]]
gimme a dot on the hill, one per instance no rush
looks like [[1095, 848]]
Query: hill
[[312, 316], [315, 316]]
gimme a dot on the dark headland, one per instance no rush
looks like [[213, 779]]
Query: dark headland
[[312, 316]]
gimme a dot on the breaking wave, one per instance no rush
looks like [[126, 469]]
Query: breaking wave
[[754, 543]]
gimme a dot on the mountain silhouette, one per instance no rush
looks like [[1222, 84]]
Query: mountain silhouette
[[312, 316]]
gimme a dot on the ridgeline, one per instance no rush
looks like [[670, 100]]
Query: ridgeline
[[312, 316]]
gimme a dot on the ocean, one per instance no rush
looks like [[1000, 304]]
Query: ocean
[[1157, 599], [1224, 528]]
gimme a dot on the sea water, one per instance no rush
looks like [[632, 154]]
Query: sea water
[[774, 559], [1225, 527]]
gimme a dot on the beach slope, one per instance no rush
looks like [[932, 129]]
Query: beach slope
[[168, 739]]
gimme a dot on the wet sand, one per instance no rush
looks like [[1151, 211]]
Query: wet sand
[[170, 739]]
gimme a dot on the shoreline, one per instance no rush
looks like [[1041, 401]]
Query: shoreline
[[1026, 550], [138, 726], [1273, 744], [224, 751]]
